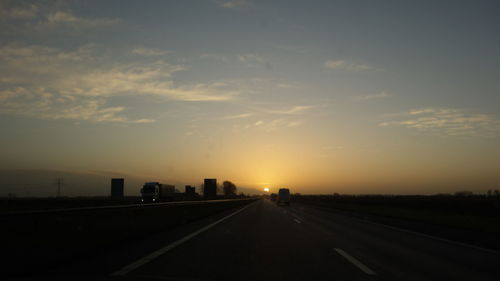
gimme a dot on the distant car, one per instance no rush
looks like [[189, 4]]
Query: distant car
[[274, 197], [284, 196]]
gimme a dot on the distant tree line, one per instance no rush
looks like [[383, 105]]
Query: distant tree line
[[229, 189]]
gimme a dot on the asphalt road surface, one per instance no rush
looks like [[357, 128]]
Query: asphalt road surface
[[262, 241]]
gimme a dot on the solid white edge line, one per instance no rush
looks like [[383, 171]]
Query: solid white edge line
[[171, 246], [354, 261]]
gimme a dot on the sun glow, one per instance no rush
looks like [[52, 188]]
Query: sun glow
[[266, 189]]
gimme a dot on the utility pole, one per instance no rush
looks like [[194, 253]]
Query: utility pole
[[59, 182]]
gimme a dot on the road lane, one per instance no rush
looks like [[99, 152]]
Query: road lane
[[398, 255], [169, 247], [261, 243], [300, 242], [98, 265]]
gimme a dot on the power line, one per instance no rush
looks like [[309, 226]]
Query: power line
[[59, 183]]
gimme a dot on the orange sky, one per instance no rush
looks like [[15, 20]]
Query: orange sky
[[337, 99]]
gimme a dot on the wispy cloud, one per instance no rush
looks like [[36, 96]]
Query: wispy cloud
[[285, 86], [299, 109], [68, 19], [249, 60], [254, 60], [276, 124], [233, 4], [381, 95], [49, 83], [269, 120], [21, 12], [51, 15], [238, 116], [143, 51], [348, 66], [448, 121], [43, 104], [271, 125], [145, 80]]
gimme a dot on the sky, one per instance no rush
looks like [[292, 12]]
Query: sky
[[357, 97]]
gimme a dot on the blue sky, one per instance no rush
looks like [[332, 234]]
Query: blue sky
[[356, 96]]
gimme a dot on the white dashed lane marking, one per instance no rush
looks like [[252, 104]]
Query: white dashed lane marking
[[354, 261]]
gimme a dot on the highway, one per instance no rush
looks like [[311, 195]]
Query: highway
[[262, 241]]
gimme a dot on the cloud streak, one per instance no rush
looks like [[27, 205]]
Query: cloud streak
[[238, 116], [22, 12], [253, 60], [270, 125], [42, 104], [49, 83], [68, 19], [19, 16], [276, 124], [249, 59], [448, 121], [348, 66], [381, 95], [149, 51], [299, 109], [234, 4]]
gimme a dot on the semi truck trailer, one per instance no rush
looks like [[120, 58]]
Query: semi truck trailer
[[283, 196], [152, 192]]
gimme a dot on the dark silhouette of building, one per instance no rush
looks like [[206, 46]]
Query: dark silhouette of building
[[210, 188], [117, 188], [190, 190], [168, 188]]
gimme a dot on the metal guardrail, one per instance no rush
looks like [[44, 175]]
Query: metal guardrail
[[129, 206]]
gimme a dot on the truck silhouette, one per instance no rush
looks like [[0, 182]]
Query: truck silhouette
[[152, 192], [283, 196]]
